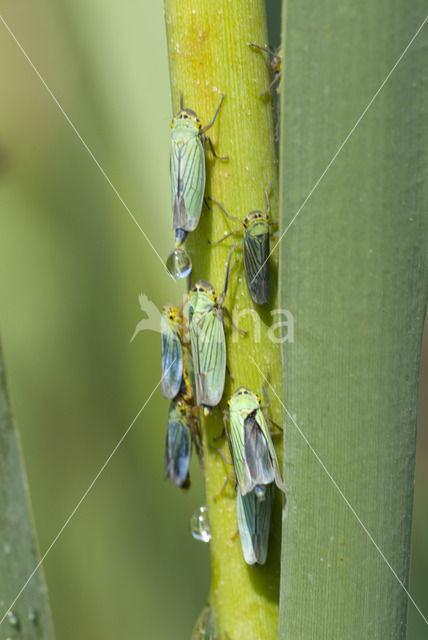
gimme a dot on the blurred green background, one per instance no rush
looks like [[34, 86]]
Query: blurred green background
[[72, 263]]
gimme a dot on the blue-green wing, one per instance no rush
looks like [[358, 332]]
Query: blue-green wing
[[178, 449], [260, 453], [250, 452], [254, 524], [209, 356], [187, 182], [172, 360], [256, 263], [236, 431], [257, 454]]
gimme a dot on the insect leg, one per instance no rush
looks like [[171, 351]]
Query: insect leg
[[228, 216], [268, 90], [265, 49], [210, 124], [229, 315], [267, 405], [232, 233], [265, 389], [226, 280], [220, 452], [230, 477], [229, 373], [268, 188], [213, 150]]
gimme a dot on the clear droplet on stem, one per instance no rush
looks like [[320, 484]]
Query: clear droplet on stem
[[200, 525], [178, 263]]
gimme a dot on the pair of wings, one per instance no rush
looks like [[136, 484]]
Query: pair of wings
[[254, 524], [254, 456], [256, 264], [187, 182], [178, 449], [209, 356], [172, 360]]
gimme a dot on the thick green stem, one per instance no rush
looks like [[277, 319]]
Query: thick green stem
[[209, 55], [354, 275], [29, 617]]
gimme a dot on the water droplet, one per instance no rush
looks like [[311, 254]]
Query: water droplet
[[200, 525], [178, 263], [13, 619]]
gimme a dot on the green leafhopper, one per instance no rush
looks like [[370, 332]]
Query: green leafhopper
[[256, 250], [178, 448], [275, 65], [183, 428], [254, 524], [208, 341], [188, 175], [208, 344], [253, 453], [172, 353]]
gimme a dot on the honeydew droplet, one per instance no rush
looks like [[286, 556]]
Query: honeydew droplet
[[178, 263], [200, 525]]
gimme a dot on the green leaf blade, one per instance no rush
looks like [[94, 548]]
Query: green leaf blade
[[354, 275], [29, 616]]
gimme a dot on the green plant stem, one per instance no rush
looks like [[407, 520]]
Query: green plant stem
[[30, 616], [354, 274], [208, 56]]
